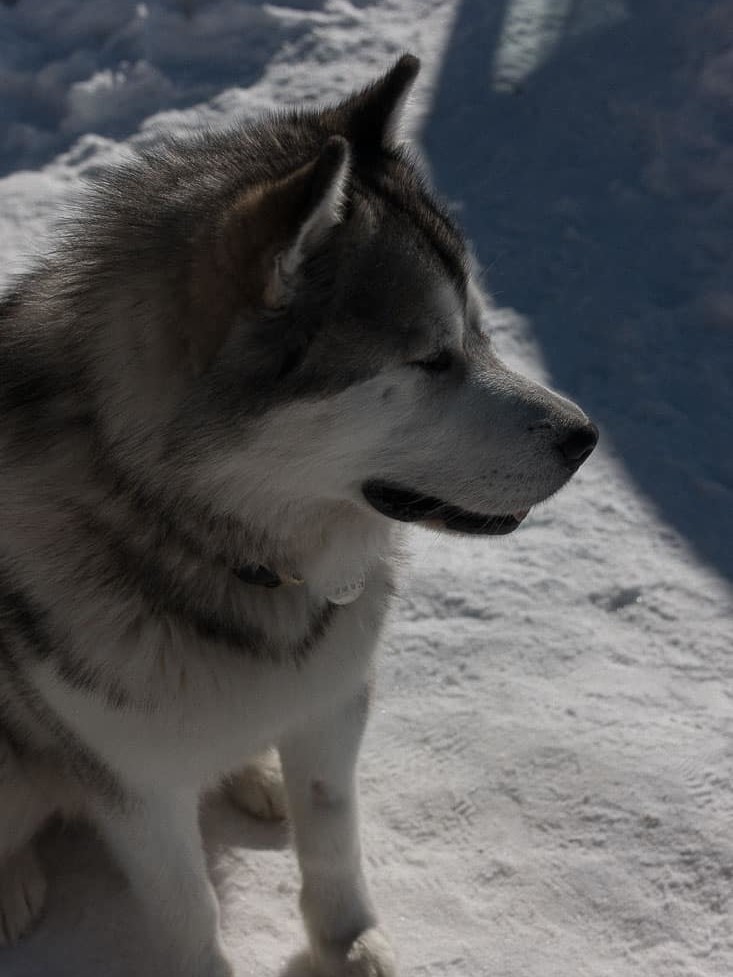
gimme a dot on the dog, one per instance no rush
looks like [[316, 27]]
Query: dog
[[252, 360]]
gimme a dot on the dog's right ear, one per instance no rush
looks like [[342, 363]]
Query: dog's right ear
[[262, 239], [268, 232]]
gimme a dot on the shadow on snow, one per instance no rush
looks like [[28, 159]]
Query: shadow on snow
[[558, 176]]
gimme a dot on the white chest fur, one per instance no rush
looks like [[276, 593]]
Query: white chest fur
[[216, 708]]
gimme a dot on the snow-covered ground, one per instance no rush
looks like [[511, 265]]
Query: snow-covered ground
[[548, 776]]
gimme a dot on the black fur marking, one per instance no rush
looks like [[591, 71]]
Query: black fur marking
[[42, 403], [34, 711], [83, 677], [26, 384], [9, 304], [219, 540], [191, 602], [319, 626], [10, 732], [402, 190], [24, 617]]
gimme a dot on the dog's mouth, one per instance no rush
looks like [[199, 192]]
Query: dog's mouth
[[406, 505]]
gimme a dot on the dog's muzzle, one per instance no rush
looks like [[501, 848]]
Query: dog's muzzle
[[406, 505]]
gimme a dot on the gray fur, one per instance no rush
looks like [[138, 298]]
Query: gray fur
[[184, 383]]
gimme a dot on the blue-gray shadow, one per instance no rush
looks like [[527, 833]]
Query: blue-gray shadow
[[553, 183]]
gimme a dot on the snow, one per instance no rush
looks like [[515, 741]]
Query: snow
[[547, 779]]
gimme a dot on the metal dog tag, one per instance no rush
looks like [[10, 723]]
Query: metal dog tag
[[347, 593]]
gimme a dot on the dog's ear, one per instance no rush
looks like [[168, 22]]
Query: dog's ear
[[269, 231], [263, 237], [371, 119], [315, 196]]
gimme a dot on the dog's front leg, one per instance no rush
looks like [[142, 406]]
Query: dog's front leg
[[319, 766], [157, 840]]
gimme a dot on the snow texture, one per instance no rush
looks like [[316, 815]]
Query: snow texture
[[548, 776]]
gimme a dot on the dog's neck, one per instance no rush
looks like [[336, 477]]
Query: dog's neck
[[331, 558]]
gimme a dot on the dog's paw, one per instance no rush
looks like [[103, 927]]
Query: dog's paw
[[369, 955], [22, 894], [258, 788]]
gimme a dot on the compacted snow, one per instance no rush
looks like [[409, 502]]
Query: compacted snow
[[548, 775]]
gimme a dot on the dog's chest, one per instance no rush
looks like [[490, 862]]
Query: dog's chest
[[197, 710]]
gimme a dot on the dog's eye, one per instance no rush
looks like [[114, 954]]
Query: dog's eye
[[439, 363]]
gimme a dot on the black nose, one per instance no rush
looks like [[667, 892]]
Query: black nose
[[578, 445]]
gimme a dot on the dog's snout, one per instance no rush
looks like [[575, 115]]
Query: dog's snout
[[578, 445]]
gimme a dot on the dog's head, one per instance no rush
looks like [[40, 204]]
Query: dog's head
[[337, 343]]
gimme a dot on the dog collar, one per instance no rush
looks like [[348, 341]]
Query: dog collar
[[262, 576]]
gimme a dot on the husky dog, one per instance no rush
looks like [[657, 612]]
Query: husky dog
[[252, 357]]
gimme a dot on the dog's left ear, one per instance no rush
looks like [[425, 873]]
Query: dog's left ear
[[371, 119]]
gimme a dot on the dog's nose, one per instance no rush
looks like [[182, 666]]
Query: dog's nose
[[578, 445]]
